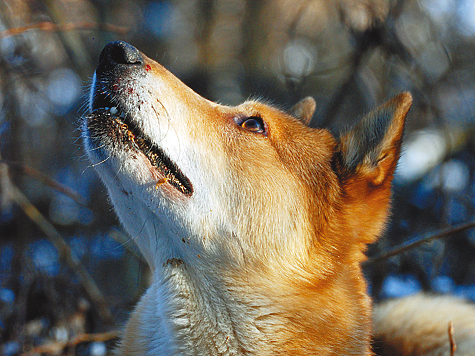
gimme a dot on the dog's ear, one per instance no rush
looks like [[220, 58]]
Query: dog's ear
[[365, 162], [371, 149], [304, 109]]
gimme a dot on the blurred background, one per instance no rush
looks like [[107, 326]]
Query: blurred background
[[69, 273]]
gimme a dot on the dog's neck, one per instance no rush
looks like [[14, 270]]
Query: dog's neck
[[190, 311], [205, 301], [187, 312]]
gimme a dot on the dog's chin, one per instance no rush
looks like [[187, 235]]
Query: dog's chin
[[111, 131]]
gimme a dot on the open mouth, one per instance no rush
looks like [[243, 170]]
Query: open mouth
[[115, 118]]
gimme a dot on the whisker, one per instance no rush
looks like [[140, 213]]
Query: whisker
[[101, 162]]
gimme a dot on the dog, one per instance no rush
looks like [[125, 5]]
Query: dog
[[254, 224]]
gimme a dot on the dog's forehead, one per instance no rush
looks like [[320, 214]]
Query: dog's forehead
[[267, 110]]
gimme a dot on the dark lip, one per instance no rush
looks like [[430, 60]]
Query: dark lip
[[107, 108]]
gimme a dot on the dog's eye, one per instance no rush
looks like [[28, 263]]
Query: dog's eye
[[253, 124]]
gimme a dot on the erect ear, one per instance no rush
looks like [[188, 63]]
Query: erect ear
[[304, 109], [365, 162], [371, 149]]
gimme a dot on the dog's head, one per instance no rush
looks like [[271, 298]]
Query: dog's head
[[250, 184]]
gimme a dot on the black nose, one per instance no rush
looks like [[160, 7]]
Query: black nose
[[119, 52]]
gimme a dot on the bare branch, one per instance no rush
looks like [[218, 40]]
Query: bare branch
[[453, 345], [64, 250], [63, 27], [416, 242], [56, 347], [23, 168]]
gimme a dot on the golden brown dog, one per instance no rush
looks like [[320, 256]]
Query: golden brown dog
[[254, 224]]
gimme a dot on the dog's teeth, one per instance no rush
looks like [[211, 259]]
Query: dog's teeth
[[114, 110]]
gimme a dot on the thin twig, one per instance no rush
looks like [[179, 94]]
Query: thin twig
[[56, 347], [64, 250], [23, 168], [415, 242], [453, 345], [124, 241], [52, 27]]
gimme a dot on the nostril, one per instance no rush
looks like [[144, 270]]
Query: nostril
[[119, 52]]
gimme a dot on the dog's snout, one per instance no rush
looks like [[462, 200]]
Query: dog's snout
[[119, 52]]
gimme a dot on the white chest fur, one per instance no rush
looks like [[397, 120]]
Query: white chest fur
[[179, 317]]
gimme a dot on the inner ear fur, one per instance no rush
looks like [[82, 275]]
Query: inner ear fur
[[371, 148]]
